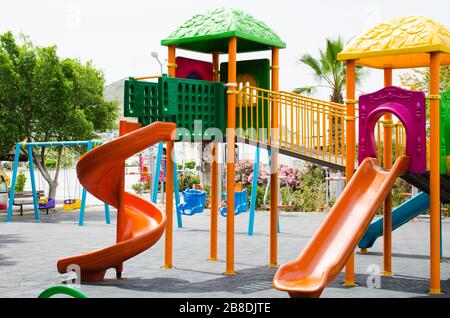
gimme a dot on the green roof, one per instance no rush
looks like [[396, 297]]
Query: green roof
[[210, 32]]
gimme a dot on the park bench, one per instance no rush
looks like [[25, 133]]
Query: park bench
[[26, 198]]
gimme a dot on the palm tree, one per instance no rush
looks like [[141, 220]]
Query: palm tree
[[331, 74], [328, 70]]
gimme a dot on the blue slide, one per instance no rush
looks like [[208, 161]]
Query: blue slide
[[400, 215]]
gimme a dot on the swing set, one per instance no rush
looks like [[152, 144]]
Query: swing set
[[70, 202], [193, 199]]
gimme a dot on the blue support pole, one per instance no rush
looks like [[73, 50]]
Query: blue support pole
[[251, 220], [107, 216], [13, 182], [33, 183], [63, 143], [156, 175], [177, 193], [83, 194]]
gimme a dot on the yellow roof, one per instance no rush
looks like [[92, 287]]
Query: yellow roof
[[401, 43]]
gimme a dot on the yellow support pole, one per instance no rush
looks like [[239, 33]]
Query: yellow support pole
[[435, 203], [231, 132], [214, 180], [274, 162], [350, 153], [387, 207], [168, 264]]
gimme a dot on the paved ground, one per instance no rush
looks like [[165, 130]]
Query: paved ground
[[29, 250]]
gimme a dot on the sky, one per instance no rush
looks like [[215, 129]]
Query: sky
[[119, 36]]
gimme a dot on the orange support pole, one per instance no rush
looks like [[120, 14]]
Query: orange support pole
[[435, 203], [274, 162], [231, 133], [214, 180], [168, 264], [214, 203], [171, 66], [350, 153], [387, 207], [168, 243]]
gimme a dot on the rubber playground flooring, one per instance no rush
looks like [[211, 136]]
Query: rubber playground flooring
[[29, 251]]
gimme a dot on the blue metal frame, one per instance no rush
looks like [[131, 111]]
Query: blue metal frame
[[33, 183], [251, 220], [83, 194], [156, 175], [175, 182], [177, 193], [12, 188], [30, 145]]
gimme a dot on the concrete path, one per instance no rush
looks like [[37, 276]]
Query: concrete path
[[29, 251]]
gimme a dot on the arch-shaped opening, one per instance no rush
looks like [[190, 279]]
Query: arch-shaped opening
[[398, 138], [409, 108], [375, 124]]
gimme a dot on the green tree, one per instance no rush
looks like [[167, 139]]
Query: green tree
[[21, 180], [46, 98], [419, 79], [328, 71]]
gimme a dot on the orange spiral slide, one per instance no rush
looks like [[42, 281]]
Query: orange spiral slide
[[140, 224], [329, 249]]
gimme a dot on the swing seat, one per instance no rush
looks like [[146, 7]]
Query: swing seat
[[240, 203], [72, 204], [47, 203], [194, 202]]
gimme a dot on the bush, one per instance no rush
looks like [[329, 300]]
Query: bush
[[187, 180], [7, 165], [20, 182], [207, 188], [304, 189], [399, 190], [141, 187], [50, 163], [190, 164], [260, 197]]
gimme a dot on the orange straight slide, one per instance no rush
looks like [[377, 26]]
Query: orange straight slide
[[140, 224], [329, 249]]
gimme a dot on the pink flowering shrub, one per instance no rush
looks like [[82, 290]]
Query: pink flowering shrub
[[303, 190], [244, 175]]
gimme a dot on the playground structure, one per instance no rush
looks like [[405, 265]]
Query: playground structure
[[46, 203], [245, 95], [379, 48]]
